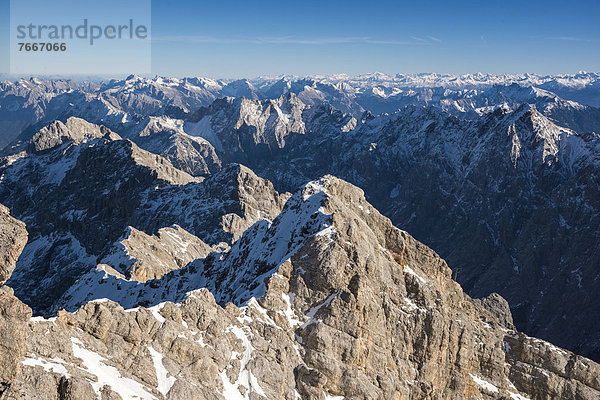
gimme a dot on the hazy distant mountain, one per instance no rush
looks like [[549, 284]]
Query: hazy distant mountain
[[27, 105]]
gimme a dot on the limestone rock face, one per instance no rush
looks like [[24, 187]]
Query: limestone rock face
[[13, 237], [547, 372], [240, 128], [14, 315], [499, 307], [166, 136], [330, 300]]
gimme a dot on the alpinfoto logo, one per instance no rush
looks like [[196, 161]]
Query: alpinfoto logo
[[80, 37]]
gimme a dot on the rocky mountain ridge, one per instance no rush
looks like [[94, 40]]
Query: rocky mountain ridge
[[136, 193], [103, 187], [351, 307]]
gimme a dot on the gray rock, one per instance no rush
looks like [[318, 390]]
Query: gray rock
[[13, 237], [74, 130], [142, 257], [14, 316], [499, 307]]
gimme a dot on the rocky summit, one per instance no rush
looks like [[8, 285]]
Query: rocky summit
[[328, 301]]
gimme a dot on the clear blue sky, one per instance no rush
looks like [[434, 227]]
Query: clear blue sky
[[246, 39]]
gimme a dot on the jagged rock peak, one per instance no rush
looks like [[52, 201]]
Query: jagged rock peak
[[74, 130], [114, 153], [161, 167]]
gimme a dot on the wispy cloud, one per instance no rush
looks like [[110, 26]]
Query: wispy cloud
[[425, 39], [418, 39], [278, 40], [569, 38], [572, 39]]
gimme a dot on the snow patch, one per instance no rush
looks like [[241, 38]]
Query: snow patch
[[245, 377], [410, 271], [204, 129], [487, 386], [517, 396], [107, 375], [288, 298], [165, 382], [52, 365], [156, 312], [42, 319], [310, 315]]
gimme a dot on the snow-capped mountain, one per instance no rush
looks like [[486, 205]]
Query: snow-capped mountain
[[28, 105], [480, 181], [483, 182], [134, 191]]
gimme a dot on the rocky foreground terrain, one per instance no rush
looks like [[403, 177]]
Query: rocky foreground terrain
[[327, 301]]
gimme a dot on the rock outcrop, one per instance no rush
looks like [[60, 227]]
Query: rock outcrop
[[13, 237], [14, 315], [141, 257]]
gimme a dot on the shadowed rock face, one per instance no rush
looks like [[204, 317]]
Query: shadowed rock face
[[330, 300]]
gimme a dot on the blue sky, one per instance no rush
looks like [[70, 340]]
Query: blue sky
[[246, 39]]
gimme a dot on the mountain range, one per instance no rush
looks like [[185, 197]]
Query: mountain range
[[199, 238]]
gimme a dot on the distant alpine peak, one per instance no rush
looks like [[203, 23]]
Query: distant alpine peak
[[466, 80]]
